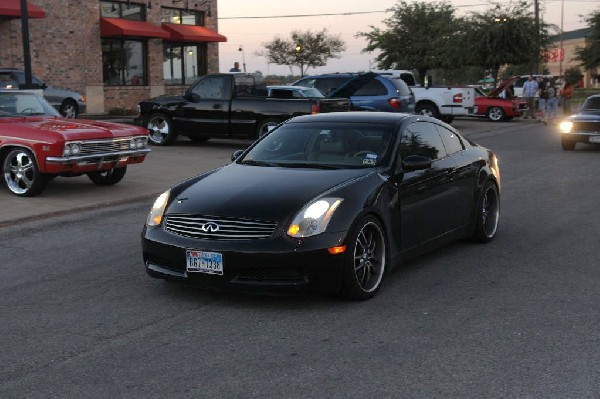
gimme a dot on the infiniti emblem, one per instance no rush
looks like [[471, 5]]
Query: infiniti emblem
[[210, 227]]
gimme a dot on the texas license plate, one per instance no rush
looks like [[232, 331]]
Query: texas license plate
[[594, 139], [204, 262]]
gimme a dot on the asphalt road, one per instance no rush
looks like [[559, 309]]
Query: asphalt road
[[517, 318]]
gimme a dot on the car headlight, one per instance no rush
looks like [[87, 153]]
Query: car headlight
[[158, 209], [71, 149], [566, 126], [314, 217], [137, 143]]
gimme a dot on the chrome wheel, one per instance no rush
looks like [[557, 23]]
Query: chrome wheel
[[160, 131], [69, 109], [365, 263], [21, 174], [495, 114], [488, 213]]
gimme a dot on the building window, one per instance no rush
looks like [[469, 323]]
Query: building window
[[184, 63], [124, 62], [184, 17], [116, 9]]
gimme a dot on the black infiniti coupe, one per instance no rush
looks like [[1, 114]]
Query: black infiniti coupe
[[327, 202]]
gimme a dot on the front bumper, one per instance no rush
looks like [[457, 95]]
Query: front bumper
[[94, 162], [278, 263], [579, 137]]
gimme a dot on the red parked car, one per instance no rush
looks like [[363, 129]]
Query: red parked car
[[497, 108], [37, 144]]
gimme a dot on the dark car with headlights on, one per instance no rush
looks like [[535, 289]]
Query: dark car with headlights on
[[583, 127], [327, 202], [37, 144]]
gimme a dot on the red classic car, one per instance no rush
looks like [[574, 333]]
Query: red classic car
[[497, 108], [37, 144]]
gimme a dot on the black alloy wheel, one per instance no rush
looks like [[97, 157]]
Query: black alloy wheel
[[365, 261], [488, 213]]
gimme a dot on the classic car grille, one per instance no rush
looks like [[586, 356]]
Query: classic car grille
[[586, 127], [104, 146], [215, 228]]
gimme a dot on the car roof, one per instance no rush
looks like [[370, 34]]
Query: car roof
[[357, 117]]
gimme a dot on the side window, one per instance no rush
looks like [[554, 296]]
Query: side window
[[210, 87], [422, 138], [326, 85], [372, 88], [451, 141]]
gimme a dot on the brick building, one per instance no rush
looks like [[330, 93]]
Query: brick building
[[116, 53], [557, 61]]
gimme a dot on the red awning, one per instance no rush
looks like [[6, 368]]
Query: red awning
[[12, 9], [192, 33], [110, 27]]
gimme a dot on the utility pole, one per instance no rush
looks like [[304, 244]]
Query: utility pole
[[26, 51], [536, 10]]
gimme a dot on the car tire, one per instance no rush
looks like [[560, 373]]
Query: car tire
[[567, 144], [21, 173], [265, 126], [69, 109], [487, 213], [428, 109], [365, 260], [160, 129], [495, 114], [108, 177]]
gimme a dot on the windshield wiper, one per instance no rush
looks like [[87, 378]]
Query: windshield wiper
[[310, 165], [258, 163]]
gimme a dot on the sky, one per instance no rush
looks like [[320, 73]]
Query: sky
[[251, 33]]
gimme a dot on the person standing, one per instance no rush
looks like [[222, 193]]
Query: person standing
[[551, 103], [530, 89], [567, 94], [236, 67]]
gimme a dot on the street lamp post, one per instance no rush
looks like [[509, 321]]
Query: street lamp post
[[298, 50], [241, 48]]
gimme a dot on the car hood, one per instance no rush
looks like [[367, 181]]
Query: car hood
[[586, 116], [496, 92], [350, 87], [69, 129], [263, 193]]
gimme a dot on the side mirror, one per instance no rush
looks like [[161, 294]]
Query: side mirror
[[236, 154], [416, 162]]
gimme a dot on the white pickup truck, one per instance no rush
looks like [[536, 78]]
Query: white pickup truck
[[442, 102]]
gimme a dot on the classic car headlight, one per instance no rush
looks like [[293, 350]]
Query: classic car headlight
[[137, 143], [566, 126], [314, 217], [71, 149], [158, 209]]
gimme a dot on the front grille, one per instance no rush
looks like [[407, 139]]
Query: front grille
[[218, 228], [104, 146], [591, 127]]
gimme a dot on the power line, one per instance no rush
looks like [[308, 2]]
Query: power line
[[306, 15]]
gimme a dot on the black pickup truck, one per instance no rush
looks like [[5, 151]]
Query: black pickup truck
[[225, 105]]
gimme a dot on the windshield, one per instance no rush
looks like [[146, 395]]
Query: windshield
[[335, 145], [20, 103], [591, 104]]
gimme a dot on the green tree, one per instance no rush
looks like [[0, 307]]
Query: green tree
[[303, 50], [589, 56], [419, 36], [504, 34]]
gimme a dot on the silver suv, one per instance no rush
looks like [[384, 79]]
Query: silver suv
[[69, 103]]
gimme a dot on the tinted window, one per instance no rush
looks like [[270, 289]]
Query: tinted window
[[402, 87], [372, 88], [450, 139], [409, 78], [422, 138], [326, 85], [212, 87]]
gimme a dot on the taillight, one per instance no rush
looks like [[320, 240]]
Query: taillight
[[457, 98], [314, 108], [395, 103]]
